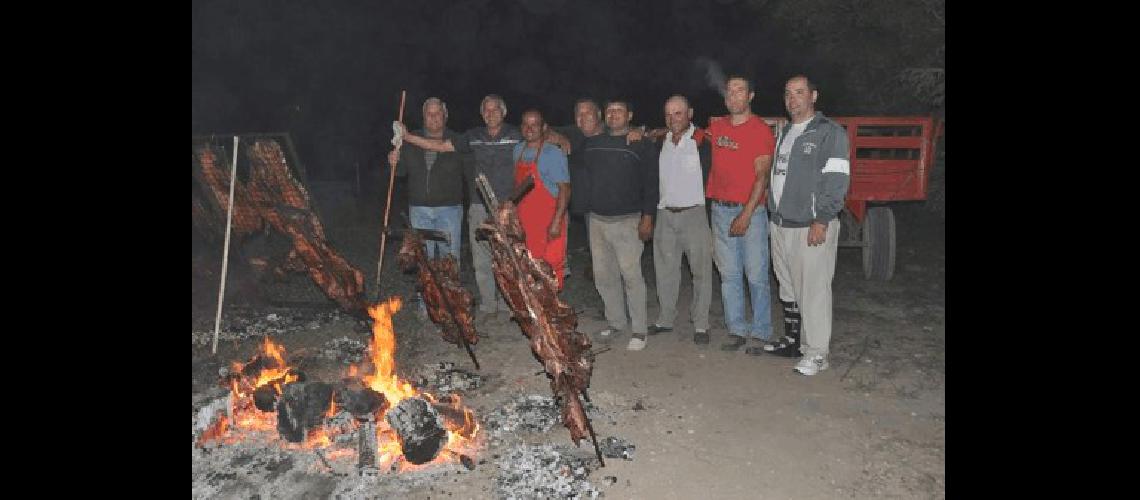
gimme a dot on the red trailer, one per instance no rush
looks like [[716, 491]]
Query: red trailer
[[891, 160]]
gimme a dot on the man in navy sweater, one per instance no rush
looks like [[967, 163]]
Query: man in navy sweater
[[619, 193]]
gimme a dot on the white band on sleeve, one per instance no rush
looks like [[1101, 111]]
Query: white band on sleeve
[[838, 165]]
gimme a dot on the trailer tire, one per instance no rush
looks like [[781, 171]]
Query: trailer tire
[[879, 244]]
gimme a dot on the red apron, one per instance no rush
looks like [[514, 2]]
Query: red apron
[[536, 211]]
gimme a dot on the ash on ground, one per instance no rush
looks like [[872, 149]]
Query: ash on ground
[[240, 323], [345, 350], [445, 377], [544, 471], [533, 413], [262, 465]]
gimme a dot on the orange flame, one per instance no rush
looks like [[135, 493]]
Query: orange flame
[[381, 377], [384, 379], [276, 352]]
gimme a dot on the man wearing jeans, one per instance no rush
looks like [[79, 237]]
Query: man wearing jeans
[[741, 158], [435, 183], [809, 184], [620, 198], [491, 146]]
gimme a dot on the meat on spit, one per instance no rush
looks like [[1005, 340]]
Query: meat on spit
[[531, 291], [448, 304]]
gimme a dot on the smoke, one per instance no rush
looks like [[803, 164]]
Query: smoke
[[714, 75]]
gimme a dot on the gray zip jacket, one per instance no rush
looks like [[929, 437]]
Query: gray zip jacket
[[818, 175]]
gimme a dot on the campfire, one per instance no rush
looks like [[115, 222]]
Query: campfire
[[396, 427]]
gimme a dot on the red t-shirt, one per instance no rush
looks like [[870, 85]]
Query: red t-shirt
[[734, 151]]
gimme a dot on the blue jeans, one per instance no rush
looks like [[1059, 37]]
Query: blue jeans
[[737, 257], [448, 219]]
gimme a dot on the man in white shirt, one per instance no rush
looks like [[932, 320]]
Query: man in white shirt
[[682, 220]]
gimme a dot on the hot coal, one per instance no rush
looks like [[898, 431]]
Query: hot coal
[[544, 471], [454, 418], [208, 417], [302, 406], [419, 428], [613, 447], [354, 397]]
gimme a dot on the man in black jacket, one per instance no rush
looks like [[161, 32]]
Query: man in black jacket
[[619, 194], [491, 147], [435, 182]]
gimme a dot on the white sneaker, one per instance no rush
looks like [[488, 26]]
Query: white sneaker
[[811, 366], [636, 344]]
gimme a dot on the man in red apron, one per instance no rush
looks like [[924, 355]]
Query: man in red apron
[[542, 212]]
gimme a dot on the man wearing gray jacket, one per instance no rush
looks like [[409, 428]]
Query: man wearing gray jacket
[[808, 186]]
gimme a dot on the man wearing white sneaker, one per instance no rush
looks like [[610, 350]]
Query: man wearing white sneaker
[[808, 186], [620, 195]]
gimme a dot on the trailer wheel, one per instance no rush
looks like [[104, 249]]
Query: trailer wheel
[[879, 244]]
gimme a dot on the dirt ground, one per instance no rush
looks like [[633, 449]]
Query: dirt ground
[[706, 423]]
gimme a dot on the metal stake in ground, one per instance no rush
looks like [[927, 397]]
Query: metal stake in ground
[[388, 204], [226, 249]]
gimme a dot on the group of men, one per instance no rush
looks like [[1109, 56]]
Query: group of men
[[730, 194]]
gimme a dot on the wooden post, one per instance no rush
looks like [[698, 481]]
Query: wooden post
[[226, 249]]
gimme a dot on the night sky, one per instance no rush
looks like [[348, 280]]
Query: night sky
[[330, 72]]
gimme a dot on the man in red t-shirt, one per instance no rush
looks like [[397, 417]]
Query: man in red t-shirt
[[741, 157]]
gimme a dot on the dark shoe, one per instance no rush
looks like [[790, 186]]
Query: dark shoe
[[701, 337], [654, 329], [786, 347], [733, 344]]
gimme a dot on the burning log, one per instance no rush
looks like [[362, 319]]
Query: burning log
[[449, 304], [302, 406], [531, 290], [265, 397], [359, 400], [420, 429], [261, 362]]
